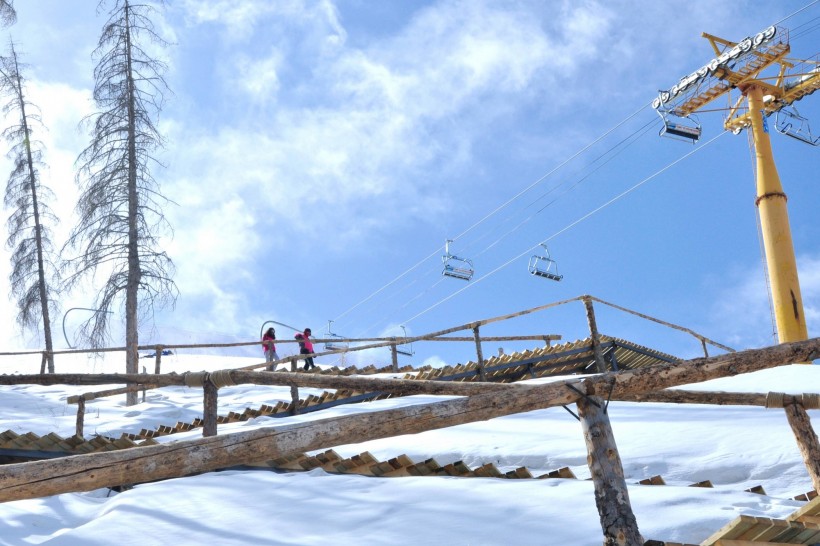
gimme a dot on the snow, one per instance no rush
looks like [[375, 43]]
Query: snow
[[736, 448]]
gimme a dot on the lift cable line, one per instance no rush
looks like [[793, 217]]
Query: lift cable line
[[526, 220], [566, 228], [625, 142], [804, 8], [498, 209]]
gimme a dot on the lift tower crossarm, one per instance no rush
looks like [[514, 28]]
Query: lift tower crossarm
[[724, 78]]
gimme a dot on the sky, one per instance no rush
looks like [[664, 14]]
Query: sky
[[319, 153], [734, 447]]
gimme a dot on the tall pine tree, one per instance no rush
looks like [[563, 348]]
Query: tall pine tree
[[33, 274], [120, 206]]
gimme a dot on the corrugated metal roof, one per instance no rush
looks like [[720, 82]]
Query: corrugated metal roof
[[569, 358]]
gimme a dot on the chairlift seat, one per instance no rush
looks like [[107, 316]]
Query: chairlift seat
[[542, 266], [680, 130], [547, 275], [464, 273], [802, 132]]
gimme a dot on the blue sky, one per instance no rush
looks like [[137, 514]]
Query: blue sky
[[319, 151]]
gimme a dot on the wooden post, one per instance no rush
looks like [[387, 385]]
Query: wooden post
[[479, 354], [43, 363], [210, 403], [80, 416], [395, 355], [806, 440], [705, 350], [294, 390], [594, 335], [157, 359], [611, 496]]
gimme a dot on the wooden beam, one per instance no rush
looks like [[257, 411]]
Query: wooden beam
[[210, 394], [398, 386], [137, 465], [479, 354], [618, 522], [680, 396], [110, 392], [594, 335], [806, 440], [80, 417]]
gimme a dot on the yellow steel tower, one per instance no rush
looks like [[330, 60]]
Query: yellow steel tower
[[738, 66]]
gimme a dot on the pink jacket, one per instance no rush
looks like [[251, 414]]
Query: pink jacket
[[265, 346], [304, 342]]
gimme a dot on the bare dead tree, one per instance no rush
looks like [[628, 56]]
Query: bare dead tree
[[120, 206], [7, 14], [33, 273]]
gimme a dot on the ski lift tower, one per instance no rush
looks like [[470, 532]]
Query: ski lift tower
[[738, 67]]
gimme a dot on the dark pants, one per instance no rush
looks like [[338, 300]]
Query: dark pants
[[309, 360]]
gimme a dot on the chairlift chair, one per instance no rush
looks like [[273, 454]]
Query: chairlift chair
[[796, 126], [458, 268], [337, 342], [406, 349], [680, 131], [544, 266]]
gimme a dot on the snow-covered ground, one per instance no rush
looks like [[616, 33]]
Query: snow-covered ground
[[735, 448]]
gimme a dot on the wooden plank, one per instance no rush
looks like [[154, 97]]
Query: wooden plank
[[732, 530], [704, 483], [654, 480], [563, 473]]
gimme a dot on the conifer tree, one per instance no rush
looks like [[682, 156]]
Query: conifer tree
[[120, 206], [33, 274]]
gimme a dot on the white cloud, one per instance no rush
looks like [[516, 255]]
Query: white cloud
[[743, 316], [258, 77]]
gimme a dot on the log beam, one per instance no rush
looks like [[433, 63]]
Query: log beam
[[210, 403], [806, 440], [239, 377], [618, 522]]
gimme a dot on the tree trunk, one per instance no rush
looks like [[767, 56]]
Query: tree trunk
[[38, 237], [131, 303]]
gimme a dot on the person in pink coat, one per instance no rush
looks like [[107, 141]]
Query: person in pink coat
[[270, 349], [306, 348]]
